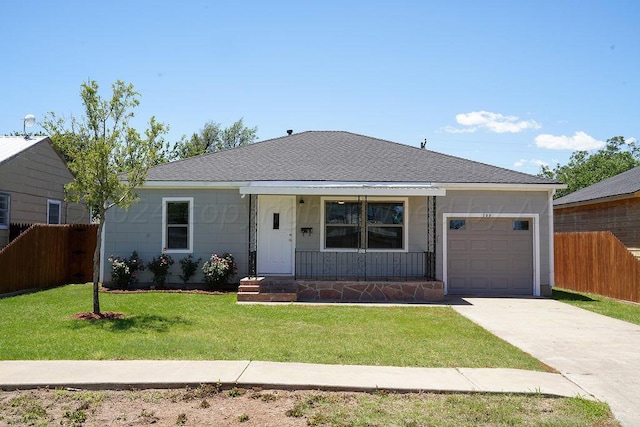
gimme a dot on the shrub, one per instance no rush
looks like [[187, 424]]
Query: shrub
[[219, 269], [160, 268], [189, 267], [124, 270]]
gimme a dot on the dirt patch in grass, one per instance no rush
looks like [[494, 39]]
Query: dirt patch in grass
[[210, 405], [107, 315]]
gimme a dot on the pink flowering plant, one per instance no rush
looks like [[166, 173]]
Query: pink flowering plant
[[124, 270], [219, 269], [159, 266]]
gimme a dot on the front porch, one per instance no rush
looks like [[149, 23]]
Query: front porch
[[346, 248]]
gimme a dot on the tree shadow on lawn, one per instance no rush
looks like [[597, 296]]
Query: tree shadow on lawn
[[570, 296], [141, 323]]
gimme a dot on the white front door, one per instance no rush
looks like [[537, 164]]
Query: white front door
[[276, 233]]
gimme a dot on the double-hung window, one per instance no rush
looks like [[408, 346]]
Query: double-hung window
[[5, 204], [177, 224], [355, 225], [54, 208]]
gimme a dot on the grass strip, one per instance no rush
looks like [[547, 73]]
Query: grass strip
[[622, 310], [185, 326]]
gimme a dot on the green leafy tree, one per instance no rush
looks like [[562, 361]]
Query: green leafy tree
[[586, 169], [108, 158], [212, 137]]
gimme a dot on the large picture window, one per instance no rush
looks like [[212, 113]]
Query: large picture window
[[364, 225], [177, 223], [342, 221], [4, 210], [385, 225]]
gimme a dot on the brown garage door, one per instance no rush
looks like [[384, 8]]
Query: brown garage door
[[490, 256]]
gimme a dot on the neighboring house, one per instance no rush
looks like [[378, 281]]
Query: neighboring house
[[334, 206], [32, 179], [610, 205]]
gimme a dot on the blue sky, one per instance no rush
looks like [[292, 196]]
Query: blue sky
[[510, 83]]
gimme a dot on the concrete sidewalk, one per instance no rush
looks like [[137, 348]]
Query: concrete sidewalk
[[164, 374]]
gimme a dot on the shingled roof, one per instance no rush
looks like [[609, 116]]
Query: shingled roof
[[338, 157], [622, 184], [11, 146]]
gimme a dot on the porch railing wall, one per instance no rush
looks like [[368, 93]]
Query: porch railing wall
[[316, 265]]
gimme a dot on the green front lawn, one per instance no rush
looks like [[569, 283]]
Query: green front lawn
[[627, 311], [214, 327]]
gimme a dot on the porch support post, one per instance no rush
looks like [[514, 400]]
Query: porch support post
[[252, 229]]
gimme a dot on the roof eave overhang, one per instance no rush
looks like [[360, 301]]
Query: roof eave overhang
[[347, 188], [309, 188], [497, 186], [192, 184]]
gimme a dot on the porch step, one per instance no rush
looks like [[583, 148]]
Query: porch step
[[267, 297], [249, 288], [266, 289]]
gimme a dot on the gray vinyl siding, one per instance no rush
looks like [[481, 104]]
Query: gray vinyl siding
[[517, 202], [34, 176], [221, 220], [308, 215], [416, 219]]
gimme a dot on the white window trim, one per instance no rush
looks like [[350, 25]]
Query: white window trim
[[8, 196], [536, 241], [165, 200], [405, 225], [59, 204]]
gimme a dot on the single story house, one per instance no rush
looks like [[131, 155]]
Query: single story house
[[610, 205], [333, 210], [32, 179]]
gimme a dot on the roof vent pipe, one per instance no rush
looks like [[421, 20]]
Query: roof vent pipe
[[289, 132]]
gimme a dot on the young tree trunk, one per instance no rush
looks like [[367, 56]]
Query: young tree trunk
[[96, 266]]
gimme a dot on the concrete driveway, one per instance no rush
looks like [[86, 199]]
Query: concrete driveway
[[598, 353]]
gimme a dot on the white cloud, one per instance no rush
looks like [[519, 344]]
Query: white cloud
[[579, 141], [493, 122]]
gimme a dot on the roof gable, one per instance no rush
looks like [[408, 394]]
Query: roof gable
[[11, 146], [335, 156], [622, 184]]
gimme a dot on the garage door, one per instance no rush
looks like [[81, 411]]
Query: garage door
[[490, 256]]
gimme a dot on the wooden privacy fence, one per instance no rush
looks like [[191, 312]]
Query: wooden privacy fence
[[48, 255], [596, 262]]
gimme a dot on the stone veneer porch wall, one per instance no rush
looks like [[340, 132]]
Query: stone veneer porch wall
[[372, 291]]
